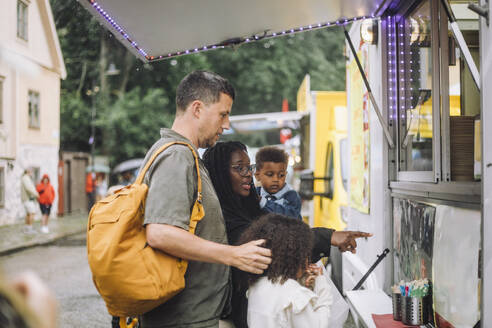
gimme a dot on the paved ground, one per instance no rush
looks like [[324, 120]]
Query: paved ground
[[63, 266], [13, 238]]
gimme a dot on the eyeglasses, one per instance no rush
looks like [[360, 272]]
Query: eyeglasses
[[244, 170]]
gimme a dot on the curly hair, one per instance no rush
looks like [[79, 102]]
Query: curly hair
[[270, 154], [291, 243], [217, 160]]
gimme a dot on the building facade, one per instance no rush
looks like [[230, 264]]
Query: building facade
[[31, 67]]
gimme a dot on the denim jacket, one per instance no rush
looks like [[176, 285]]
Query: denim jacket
[[286, 201]]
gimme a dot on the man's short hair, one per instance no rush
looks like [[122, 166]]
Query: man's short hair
[[270, 154], [204, 86]]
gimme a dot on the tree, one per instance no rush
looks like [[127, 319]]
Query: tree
[[133, 123]]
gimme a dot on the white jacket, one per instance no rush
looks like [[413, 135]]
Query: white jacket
[[289, 305], [28, 190]]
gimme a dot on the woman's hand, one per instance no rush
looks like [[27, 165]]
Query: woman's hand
[[345, 240]]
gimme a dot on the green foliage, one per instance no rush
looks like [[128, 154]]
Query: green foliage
[[133, 123], [268, 71], [75, 120], [79, 34]]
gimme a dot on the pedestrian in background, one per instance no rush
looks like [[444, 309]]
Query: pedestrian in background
[[90, 181], [28, 197], [101, 186], [46, 197], [127, 178]]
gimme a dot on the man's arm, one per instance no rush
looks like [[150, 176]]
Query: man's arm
[[248, 257]]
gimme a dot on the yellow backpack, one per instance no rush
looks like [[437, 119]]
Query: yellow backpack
[[132, 277]]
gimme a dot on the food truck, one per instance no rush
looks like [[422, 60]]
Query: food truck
[[419, 99]]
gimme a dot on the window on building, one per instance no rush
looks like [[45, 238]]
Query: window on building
[[2, 186], [22, 20], [1, 99], [34, 109]]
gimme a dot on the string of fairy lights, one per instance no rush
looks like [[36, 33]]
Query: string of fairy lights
[[403, 42], [392, 67], [236, 41]]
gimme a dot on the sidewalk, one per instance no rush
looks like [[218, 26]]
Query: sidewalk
[[13, 238]]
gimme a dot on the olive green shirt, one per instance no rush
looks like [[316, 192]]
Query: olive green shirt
[[172, 182]]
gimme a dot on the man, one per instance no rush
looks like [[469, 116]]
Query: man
[[28, 197], [203, 106]]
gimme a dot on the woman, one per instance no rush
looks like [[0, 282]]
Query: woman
[[232, 175], [46, 197]]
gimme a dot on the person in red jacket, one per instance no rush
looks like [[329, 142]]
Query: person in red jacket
[[46, 197], [90, 184]]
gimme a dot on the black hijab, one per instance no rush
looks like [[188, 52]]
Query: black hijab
[[238, 211]]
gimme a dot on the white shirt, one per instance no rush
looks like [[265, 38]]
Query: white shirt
[[289, 305]]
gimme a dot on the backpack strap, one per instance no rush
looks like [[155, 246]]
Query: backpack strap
[[141, 174]]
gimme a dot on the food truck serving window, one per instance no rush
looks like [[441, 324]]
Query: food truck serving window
[[433, 101], [414, 84]]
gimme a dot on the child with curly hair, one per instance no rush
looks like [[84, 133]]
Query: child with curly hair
[[291, 292]]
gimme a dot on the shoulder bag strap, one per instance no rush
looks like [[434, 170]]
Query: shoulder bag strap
[[197, 212]]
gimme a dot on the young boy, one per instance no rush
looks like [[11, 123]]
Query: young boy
[[276, 195]]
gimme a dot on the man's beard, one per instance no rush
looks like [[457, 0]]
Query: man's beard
[[210, 142]]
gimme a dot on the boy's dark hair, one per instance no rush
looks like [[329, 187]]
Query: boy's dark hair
[[217, 159], [270, 154], [291, 243], [204, 86]]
